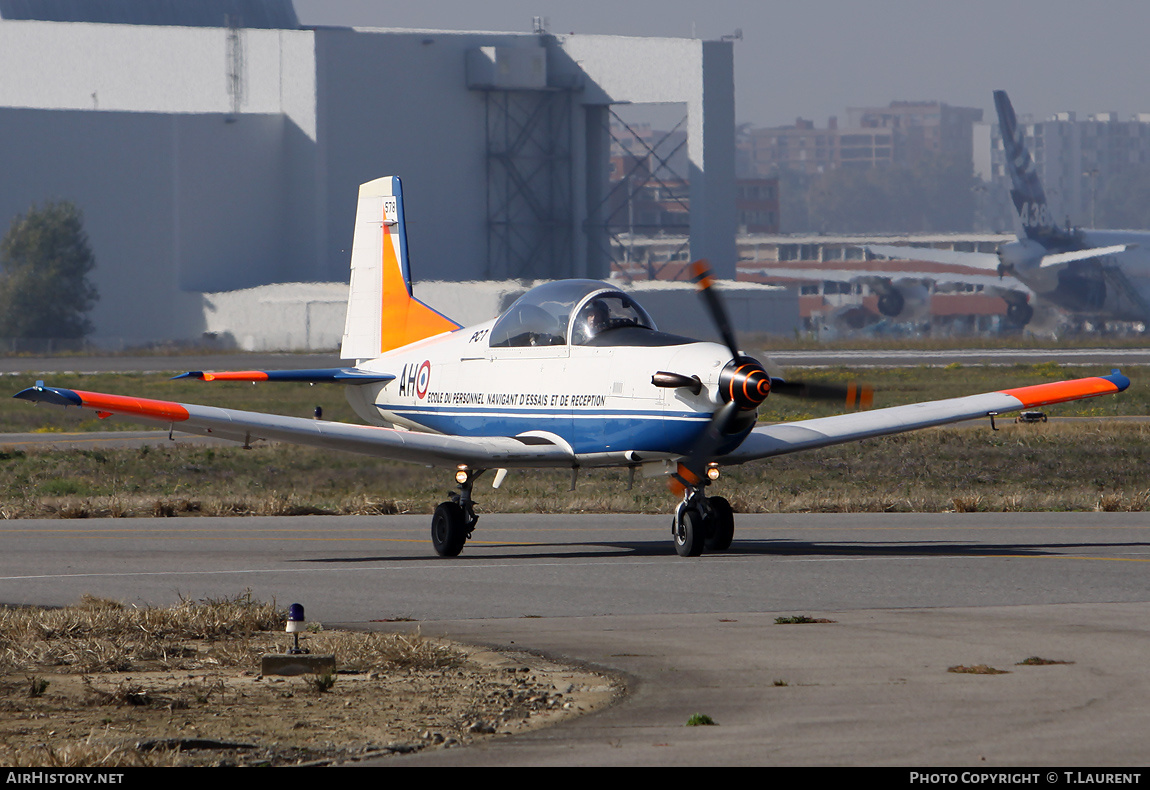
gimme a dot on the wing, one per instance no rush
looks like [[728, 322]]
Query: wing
[[860, 275], [944, 282], [246, 427], [986, 261], [769, 440]]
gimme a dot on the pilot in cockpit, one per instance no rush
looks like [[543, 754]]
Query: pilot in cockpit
[[592, 319]]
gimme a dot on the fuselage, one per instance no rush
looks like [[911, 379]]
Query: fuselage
[[598, 400], [1115, 286]]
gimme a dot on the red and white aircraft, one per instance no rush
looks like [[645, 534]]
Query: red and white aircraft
[[574, 374]]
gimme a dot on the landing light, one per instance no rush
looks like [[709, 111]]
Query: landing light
[[461, 474], [713, 471]]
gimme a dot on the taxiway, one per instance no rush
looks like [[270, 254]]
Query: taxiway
[[911, 595]]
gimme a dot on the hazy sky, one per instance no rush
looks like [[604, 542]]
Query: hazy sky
[[815, 58]]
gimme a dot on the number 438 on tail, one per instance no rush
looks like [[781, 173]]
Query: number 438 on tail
[[574, 374]]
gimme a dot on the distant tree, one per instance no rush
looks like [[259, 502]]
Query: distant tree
[[794, 189], [44, 265], [933, 195]]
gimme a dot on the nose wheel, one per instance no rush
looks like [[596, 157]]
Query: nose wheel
[[702, 523], [720, 525]]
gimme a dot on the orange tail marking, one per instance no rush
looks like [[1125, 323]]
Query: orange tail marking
[[403, 319]]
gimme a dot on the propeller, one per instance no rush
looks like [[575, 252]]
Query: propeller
[[744, 380], [743, 385]]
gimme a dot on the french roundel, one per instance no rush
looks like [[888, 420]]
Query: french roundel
[[422, 379]]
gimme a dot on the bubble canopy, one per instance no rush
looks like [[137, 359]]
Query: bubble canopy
[[567, 311]]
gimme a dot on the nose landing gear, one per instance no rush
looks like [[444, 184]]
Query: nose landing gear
[[702, 522]]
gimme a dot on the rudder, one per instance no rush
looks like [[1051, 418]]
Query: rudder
[[1026, 187]]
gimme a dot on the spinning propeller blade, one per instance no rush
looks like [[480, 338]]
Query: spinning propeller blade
[[743, 384], [854, 395], [702, 275]]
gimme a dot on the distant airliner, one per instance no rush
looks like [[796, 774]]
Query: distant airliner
[[1093, 274]]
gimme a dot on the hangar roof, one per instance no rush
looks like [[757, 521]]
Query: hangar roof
[[272, 14]]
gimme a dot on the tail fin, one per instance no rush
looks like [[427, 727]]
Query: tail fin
[[1026, 188], [382, 314]]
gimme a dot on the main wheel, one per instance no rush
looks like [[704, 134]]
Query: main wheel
[[448, 529], [720, 526], [689, 533]]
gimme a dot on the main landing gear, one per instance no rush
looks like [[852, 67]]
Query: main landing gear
[[702, 522], [454, 521]]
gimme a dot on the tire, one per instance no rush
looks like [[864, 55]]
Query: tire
[[448, 529], [721, 525], [689, 534]]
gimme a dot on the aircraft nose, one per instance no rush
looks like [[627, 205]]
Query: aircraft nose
[[745, 382]]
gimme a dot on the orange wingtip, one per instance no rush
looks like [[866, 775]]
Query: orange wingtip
[[1062, 391], [144, 407]]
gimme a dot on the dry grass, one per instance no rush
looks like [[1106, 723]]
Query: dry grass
[[90, 753], [1056, 466], [98, 635], [102, 684]]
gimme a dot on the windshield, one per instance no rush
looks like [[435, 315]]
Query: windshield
[[606, 311], [542, 316]]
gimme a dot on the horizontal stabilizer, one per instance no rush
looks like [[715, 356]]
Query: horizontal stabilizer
[[1062, 258], [315, 376]]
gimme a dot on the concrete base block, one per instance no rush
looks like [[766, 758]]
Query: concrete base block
[[297, 664]]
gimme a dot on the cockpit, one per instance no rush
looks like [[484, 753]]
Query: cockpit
[[566, 312]]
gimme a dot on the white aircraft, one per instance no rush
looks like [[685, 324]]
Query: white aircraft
[[1097, 274], [905, 296], [573, 375]]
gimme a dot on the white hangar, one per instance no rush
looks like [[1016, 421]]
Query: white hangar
[[210, 156]]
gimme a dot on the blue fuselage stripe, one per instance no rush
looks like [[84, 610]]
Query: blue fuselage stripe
[[588, 431]]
